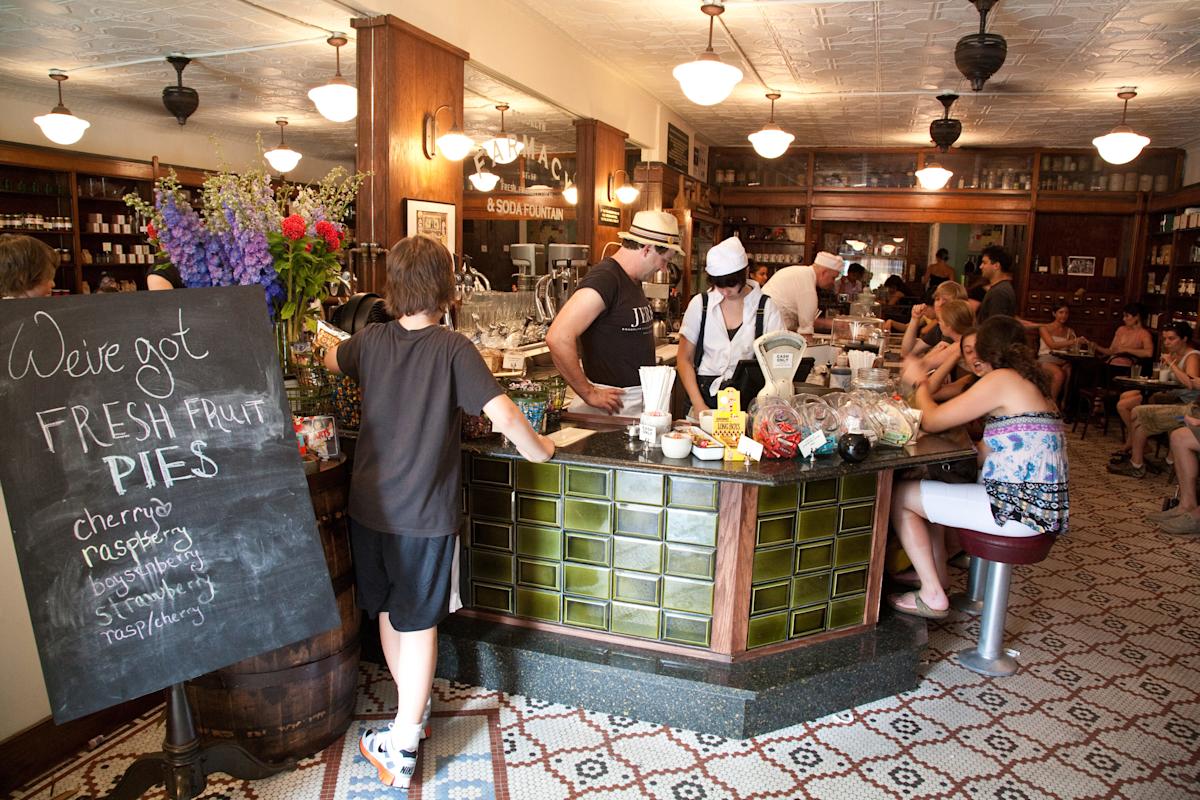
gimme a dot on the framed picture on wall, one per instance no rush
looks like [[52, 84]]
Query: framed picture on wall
[[430, 218], [1084, 266]]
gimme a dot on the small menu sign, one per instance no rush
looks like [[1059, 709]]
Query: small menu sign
[[679, 149], [161, 518], [610, 215]]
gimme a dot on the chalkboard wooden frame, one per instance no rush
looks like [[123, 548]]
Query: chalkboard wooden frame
[[159, 509]]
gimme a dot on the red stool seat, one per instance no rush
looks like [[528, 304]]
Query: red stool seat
[[1006, 549]]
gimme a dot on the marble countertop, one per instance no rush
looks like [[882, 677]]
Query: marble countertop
[[614, 449]]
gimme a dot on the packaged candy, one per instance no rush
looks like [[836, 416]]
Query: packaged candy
[[777, 427]]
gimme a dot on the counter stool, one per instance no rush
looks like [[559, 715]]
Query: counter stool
[[995, 556]]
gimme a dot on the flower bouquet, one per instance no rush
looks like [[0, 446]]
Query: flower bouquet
[[245, 231]]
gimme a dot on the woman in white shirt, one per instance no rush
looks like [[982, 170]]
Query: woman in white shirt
[[720, 325]]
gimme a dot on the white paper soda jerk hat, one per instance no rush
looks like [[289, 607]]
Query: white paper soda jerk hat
[[726, 258], [828, 261], [657, 228]]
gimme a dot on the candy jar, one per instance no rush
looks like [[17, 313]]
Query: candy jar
[[777, 427]]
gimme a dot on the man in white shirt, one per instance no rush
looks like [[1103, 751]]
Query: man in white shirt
[[794, 290]]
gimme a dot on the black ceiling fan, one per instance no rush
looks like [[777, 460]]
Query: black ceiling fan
[[979, 56], [182, 101]]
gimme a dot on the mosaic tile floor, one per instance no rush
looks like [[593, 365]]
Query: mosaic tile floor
[[1106, 705]]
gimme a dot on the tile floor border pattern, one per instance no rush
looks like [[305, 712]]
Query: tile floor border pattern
[[1106, 703]]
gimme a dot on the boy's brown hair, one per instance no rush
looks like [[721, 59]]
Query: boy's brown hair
[[24, 263], [420, 277], [957, 315]]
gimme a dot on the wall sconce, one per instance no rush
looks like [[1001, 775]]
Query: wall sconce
[[570, 193], [625, 192], [60, 125], [454, 144]]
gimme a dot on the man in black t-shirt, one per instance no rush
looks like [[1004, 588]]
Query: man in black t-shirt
[[996, 265], [610, 317]]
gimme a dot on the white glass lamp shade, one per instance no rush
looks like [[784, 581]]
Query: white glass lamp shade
[[455, 145], [503, 149], [484, 181], [282, 159], [707, 80], [336, 101], [627, 193], [772, 141], [933, 176], [61, 126], [571, 194], [1120, 145]]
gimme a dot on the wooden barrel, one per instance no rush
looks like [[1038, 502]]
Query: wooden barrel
[[295, 701]]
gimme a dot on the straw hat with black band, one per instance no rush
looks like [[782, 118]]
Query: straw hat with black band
[[656, 228]]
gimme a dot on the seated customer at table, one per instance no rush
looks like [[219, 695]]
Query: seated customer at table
[[852, 283], [1023, 483], [897, 304], [957, 320], [1166, 414], [1183, 519], [1055, 335], [1131, 341], [27, 266], [919, 338], [759, 273]]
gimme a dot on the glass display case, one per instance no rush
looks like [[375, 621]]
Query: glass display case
[[865, 170], [744, 168], [1087, 172], [984, 170]]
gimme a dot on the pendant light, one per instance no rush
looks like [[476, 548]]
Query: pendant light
[[484, 180], [282, 158], [771, 141], [708, 80], [503, 149], [60, 125], [1121, 145], [336, 101], [944, 132]]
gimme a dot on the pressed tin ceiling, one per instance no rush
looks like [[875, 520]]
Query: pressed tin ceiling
[[867, 73], [852, 73]]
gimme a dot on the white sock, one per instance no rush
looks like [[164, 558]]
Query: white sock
[[406, 735]]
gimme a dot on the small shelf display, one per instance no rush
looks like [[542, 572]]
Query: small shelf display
[[974, 169], [1087, 172], [37, 203], [743, 167], [865, 170], [1171, 276]]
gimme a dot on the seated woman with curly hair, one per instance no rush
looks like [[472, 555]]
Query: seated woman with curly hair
[[27, 266], [1023, 482]]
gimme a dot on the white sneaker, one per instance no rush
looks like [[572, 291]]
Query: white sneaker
[[395, 767]]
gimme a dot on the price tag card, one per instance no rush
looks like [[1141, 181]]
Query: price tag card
[[648, 433], [810, 443], [514, 361], [749, 447]]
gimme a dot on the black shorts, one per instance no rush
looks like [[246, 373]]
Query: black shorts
[[407, 576]]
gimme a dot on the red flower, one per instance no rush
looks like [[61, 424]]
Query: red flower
[[151, 232], [308, 247], [333, 241], [294, 227], [324, 228]]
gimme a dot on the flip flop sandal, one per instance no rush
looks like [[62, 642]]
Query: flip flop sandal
[[921, 610]]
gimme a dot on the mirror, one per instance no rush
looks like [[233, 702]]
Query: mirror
[[525, 203]]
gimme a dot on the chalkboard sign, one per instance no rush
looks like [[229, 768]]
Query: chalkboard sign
[[161, 517]]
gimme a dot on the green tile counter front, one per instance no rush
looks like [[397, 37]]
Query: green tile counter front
[[610, 541], [619, 551]]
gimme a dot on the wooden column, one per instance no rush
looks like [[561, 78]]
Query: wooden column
[[403, 74], [600, 152]]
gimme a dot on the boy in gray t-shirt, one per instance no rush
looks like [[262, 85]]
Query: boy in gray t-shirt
[[416, 378]]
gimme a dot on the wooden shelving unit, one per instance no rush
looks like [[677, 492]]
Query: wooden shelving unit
[[51, 185]]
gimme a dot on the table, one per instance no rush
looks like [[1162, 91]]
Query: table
[[1079, 362], [1147, 385]]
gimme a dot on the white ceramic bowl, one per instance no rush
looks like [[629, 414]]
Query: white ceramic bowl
[[676, 445], [706, 420]]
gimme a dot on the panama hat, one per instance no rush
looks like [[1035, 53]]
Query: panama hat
[[656, 228]]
